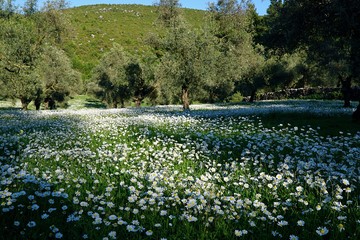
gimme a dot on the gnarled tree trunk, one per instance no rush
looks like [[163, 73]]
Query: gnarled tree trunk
[[122, 103], [138, 102], [185, 98], [356, 114], [25, 103], [346, 89], [37, 103], [253, 95]]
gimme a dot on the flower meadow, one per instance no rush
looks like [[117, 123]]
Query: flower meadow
[[157, 173]]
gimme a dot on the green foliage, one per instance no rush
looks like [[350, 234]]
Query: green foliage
[[58, 78], [204, 56], [232, 24], [19, 49], [236, 98], [168, 11], [140, 84], [31, 70], [111, 77], [7, 8], [207, 61], [329, 33], [182, 66], [230, 21]]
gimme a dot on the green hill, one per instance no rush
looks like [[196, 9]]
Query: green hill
[[95, 28]]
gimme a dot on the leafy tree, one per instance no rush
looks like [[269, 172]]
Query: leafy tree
[[231, 23], [169, 12], [139, 81], [7, 8], [57, 76], [23, 39], [330, 33], [183, 63], [215, 68], [55, 5], [30, 7], [110, 74], [19, 49], [233, 26], [270, 32], [179, 54], [52, 23]]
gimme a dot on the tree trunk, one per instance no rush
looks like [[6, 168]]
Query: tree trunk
[[122, 103], [138, 102], [52, 104], [253, 95], [185, 98], [24, 103], [37, 103], [356, 114], [346, 90]]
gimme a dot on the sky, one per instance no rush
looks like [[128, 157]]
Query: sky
[[261, 5]]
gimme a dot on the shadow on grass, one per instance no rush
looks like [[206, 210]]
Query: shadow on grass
[[9, 108], [91, 103], [325, 125]]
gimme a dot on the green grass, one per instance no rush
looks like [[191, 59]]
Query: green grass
[[95, 28], [85, 102]]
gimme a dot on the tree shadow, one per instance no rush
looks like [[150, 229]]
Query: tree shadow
[[91, 103], [9, 108]]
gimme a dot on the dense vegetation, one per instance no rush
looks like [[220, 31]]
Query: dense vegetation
[[173, 55]]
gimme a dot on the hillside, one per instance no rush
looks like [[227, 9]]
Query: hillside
[[95, 28]]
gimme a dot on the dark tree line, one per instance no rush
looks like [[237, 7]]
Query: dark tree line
[[327, 30]]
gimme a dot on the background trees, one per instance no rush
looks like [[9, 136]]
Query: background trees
[[327, 30], [110, 75], [141, 81], [30, 69], [58, 78], [19, 49], [180, 67], [120, 77], [233, 51], [208, 60], [233, 26]]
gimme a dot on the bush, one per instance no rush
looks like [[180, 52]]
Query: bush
[[236, 97]]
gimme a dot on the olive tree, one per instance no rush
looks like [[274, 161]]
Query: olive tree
[[110, 75], [19, 49], [59, 80], [23, 39], [183, 68], [140, 81], [330, 33], [232, 25]]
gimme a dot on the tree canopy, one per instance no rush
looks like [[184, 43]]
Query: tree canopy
[[24, 49], [234, 51]]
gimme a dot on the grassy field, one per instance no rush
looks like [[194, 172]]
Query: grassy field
[[271, 170], [94, 29]]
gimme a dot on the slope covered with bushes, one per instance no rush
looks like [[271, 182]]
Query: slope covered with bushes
[[95, 28]]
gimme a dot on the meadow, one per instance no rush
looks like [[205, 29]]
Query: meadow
[[273, 170]]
